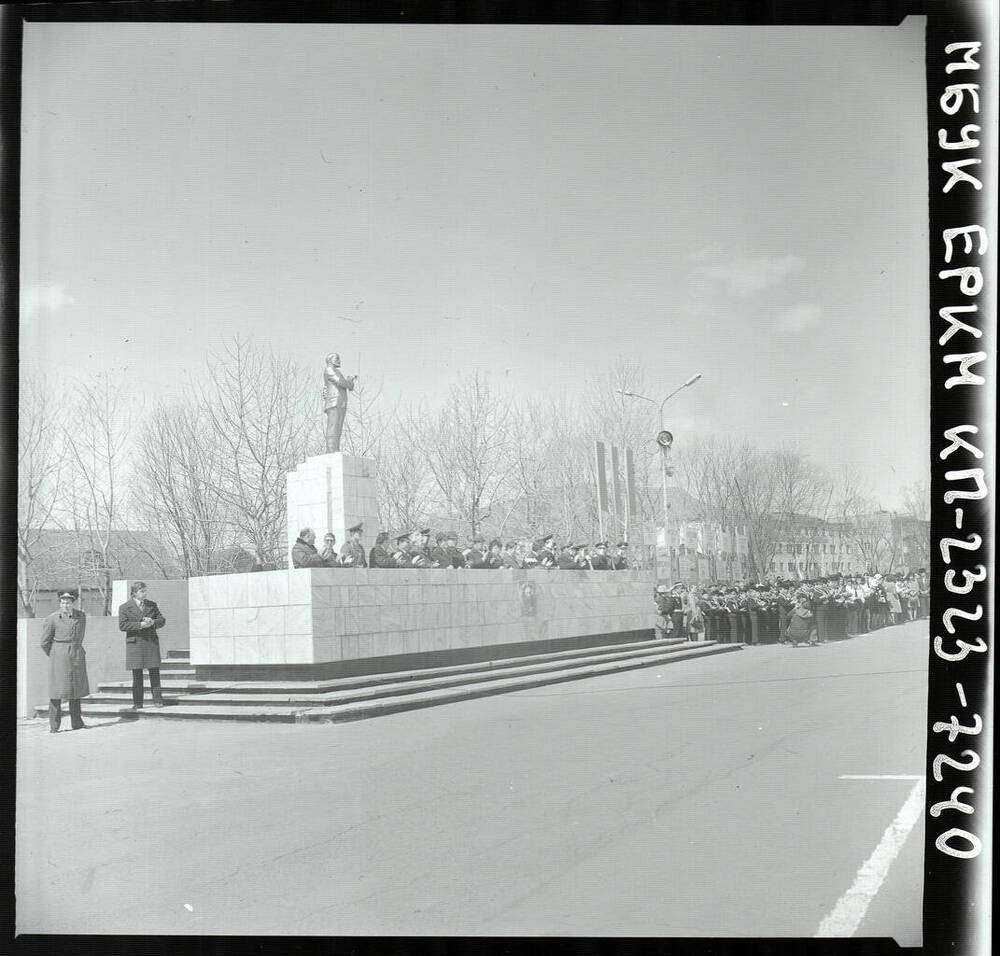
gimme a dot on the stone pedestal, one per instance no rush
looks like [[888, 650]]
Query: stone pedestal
[[332, 492]]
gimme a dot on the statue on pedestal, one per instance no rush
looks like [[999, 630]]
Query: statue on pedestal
[[336, 385]]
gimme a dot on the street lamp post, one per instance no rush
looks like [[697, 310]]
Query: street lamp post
[[665, 440]]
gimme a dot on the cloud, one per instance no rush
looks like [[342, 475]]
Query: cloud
[[40, 297], [748, 273], [799, 317]]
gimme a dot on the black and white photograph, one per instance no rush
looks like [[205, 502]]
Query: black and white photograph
[[474, 479]]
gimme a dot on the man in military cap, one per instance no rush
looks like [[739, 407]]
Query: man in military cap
[[352, 554], [566, 560], [619, 560], [401, 555], [62, 642], [381, 555], [545, 551], [599, 560], [509, 555]]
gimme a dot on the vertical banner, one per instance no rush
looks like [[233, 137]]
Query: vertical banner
[[630, 484], [616, 488], [602, 478]]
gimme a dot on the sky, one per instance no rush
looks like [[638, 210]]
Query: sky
[[529, 203]]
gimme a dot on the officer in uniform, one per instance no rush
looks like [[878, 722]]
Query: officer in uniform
[[566, 560], [620, 559], [545, 551], [599, 561], [420, 552], [62, 642], [352, 554], [401, 556]]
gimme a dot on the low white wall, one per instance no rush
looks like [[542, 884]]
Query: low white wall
[[318, 615]]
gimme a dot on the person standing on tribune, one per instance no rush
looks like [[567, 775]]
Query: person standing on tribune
[[336, 385], [62, 641], [139, 619]]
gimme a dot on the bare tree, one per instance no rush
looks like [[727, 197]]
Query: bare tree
[[178, 492], [262, 411], [96, 442], [470, 451], [405, 482], [915, 525], [40, 455], [867, 526]]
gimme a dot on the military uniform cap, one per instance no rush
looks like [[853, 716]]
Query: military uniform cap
[[358, 527], [403, 536], [425, 530], [67, 593]]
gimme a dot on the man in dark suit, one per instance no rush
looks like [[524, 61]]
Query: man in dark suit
[[304, 553], [139, 619], [440, 555], [381, 556]]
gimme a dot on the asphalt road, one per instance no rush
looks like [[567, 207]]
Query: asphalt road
[[737, 795]]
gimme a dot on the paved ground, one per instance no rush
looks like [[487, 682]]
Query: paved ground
[[699, 799]]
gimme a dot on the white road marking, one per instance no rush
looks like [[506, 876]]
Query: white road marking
[[881, 776], [846, 916]]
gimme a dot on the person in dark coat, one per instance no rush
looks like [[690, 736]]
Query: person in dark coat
[[599, 560], [666, 605], [62, 641], [381, 556], [475, 556], [566, 561], [304, 553], [139, 618], [494, 557], [440, 555]]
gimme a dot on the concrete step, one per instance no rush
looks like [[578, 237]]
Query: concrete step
[[337, 708], [379, 685]]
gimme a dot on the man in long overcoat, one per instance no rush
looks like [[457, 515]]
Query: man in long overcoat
[[139, 618], [62, 641]]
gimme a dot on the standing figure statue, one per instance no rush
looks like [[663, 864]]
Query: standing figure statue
[[336, 385]]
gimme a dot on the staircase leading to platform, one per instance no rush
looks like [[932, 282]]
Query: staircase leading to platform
[[357, 698]]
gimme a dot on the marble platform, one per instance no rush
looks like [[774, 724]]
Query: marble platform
[[320, 615]]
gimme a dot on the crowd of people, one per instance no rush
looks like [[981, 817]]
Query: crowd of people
[[792, 612], [419, 549]]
